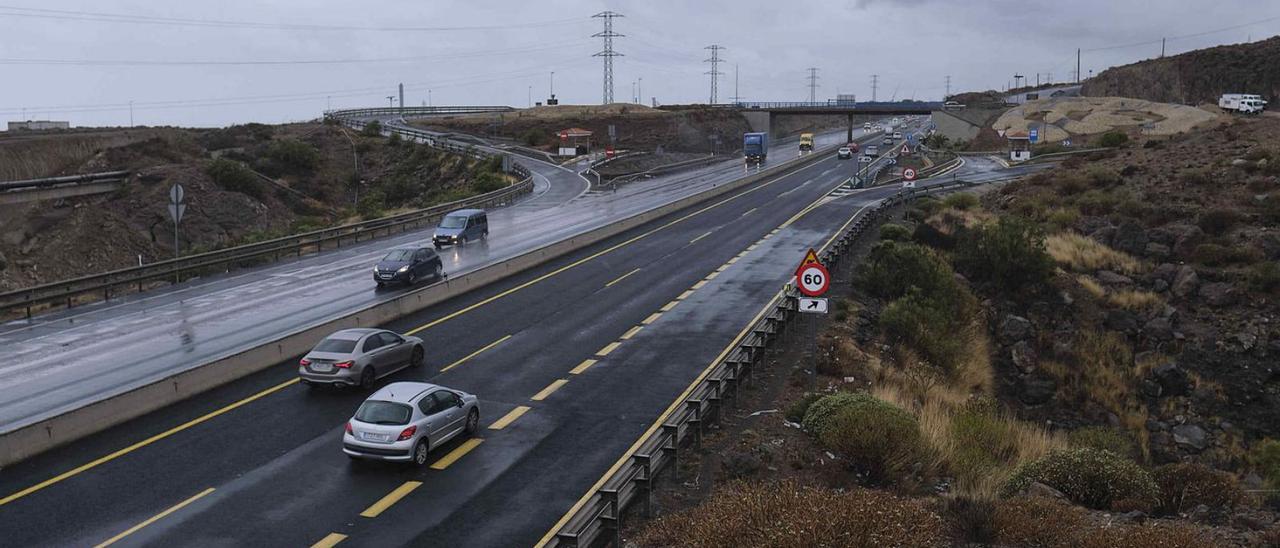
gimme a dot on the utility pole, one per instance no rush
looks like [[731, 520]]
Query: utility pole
[[633, 92], [391, 101], [640, 90], [401, 98], [715, 70], [530, 96], [813, 84], [24, 113], [429, 98], [875, 85], [736, 98], [608, 53], [1017, 77], [1162, 47], [948, 88], [1077, 65]]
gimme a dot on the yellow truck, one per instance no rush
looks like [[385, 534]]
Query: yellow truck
[[806, 142]]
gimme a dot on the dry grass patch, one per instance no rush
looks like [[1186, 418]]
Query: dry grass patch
[[786, 514], [1137, 301], [1104, 372], [1084, 254], [1091, 286]]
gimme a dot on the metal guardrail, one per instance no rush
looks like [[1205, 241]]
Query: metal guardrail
[[599, 521], [91, 288], [46, 182]]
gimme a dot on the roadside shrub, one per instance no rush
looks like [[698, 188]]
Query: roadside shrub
[[893, 268], [371, 205], [1104, 438], [1090, 477], [1010, 254], [796, 411], [234, 176], [1163, 534], [972, 520], [1220, 255], [1265, 458], [294, 155], [1265, 276], [819, 414], [930, 325], [1102, 177], [1037, 521], [786, 514], [533, 137], [1070, 185], [1112, 139], [895, 232], [1218, 221], [395, 140], [1186, 485], [372, 129], [740, 464], [962, 201], [1195, 177], [488, 182], [878, 437]]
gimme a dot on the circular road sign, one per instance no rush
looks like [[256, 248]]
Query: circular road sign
[[909, 174], [813, 279]]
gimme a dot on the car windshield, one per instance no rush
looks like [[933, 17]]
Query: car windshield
[[453, 221], [399, 255], [339, 346], [384, 412]]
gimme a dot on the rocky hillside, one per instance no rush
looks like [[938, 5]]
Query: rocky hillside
[[1198, 76], [243, 183]]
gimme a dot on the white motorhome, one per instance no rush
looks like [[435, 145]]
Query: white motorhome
[[1242, 102]]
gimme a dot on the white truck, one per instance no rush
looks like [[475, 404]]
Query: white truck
[[1243, 103]]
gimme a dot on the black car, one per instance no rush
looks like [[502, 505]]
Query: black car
[[407, 265]]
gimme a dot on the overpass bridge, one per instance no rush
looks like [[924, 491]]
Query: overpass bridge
[[760, 115]]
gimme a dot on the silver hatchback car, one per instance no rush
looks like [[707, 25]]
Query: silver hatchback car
[[358, 357], [404, 421]]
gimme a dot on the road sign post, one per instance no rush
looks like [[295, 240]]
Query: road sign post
[[177, 207]]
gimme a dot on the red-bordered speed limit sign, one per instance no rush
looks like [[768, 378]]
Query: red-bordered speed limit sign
[[812, 278], [909, 174]]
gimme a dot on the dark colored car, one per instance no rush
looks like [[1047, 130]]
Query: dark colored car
[[407, 265], [460, 227]]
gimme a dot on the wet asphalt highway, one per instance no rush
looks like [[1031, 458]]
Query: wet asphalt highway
[[262, 465], [66, 359]]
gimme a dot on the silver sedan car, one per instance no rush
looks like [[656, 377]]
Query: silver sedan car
[[404, 421], [358, 357]]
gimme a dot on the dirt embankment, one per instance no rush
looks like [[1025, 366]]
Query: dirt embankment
[[1195, 77], [1082, 358], [1064, 118], [243, 183]]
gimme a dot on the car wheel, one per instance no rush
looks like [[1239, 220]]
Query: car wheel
[[416, 360], [438, 246], [439, 273], [473, 421], [420, 451], [381, 285], [367, 377]]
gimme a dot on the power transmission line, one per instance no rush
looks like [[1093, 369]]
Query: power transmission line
[[715, 70], [813, 84], [192, 62], [1184, 36], [43, 13], [608, 53]]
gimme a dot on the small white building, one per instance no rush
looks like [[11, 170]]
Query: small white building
[[38, 125], [1019, 146]]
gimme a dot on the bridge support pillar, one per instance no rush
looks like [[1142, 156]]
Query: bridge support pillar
[[850, 132], [760, 121]]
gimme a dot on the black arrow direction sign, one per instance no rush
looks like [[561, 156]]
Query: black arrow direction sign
[[813, 304]]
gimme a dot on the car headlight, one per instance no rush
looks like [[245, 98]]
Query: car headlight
[[375, 269], [403, 269]]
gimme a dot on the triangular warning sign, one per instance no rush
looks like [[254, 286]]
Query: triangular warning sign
[[810, 258], [906, 149]]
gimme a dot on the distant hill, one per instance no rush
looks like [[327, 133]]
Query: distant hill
[[1198, 76]]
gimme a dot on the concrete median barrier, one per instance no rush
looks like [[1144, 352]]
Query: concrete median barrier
[[28, 440]]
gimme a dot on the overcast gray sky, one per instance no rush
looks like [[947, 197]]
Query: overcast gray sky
[[234, 61]]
